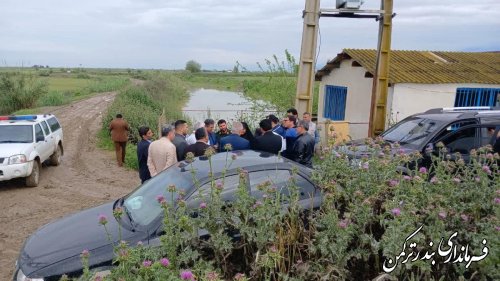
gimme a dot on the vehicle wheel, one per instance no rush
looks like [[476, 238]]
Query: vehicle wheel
[[32, 180], [55, 158]]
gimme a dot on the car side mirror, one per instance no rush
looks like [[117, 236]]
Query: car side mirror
[[40, 138]]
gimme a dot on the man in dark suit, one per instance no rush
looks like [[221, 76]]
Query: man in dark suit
[[269, 141], [142, 153], [198, 148], [303, 147], [234, 139], [119, 134], [181, 129]]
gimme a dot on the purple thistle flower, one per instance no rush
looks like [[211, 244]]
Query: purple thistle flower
[[98, 278], [257, 204], [365, 166], [497, 228], [160, 198], [464, 217], [219, 185], [118, 212], [85, 253], [392, 183], [477, 179], [187, 275], [434, 180], [417, 178], [423, 170], [239, 276], [396, 212], [212, 276], [486, 169], [442, 215], [343, 224], [165, 262], [203, 205], [273, 249], [103, 219], [172, 188], [146, 263], [407, 178], [497, 200]]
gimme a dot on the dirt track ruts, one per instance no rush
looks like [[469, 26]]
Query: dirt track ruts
[[87, 176]]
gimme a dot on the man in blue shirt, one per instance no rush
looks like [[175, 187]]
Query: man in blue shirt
[[290, 136], [142, 153], [212, 138], [237, 142], [277, 128]]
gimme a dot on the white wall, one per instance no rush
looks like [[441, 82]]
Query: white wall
[[409, 99], [359, 90]]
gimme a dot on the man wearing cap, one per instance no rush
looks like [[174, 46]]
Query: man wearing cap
[[162, 153]]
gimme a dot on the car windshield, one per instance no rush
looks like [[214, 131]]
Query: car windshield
[[16, 134], [142, 204], [412, 132]]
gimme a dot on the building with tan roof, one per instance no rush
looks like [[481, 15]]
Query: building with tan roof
[[418, 80]]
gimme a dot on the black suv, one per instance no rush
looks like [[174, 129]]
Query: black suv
[[460, 129]]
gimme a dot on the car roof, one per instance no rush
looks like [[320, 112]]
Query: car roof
[[39, 117], [245, 159], [450, 114]]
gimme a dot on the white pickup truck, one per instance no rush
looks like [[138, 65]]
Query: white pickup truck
[[27, 141]]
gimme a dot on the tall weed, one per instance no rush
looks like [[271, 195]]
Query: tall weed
[[19, 91]]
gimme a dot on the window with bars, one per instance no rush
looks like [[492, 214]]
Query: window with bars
[[335, 102], [477, 97]]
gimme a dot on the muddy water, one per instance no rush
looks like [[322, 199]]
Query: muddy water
[[216, 104]]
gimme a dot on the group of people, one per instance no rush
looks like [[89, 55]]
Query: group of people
[[291, 137]]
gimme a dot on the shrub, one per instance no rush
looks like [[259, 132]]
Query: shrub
[[19, 91]]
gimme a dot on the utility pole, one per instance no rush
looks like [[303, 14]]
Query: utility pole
[[378, 110], [346, 9], [305, 81]]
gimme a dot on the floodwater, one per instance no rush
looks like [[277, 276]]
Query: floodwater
[[216, 104]]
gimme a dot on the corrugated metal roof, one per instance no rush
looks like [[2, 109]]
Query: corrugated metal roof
[[427, 67]]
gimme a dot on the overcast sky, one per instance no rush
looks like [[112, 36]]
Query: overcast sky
[[166, 34]]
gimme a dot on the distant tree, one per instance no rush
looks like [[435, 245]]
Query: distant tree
[[193, 66]]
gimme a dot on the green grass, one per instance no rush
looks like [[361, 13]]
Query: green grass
[[219, 81], [66, 84]]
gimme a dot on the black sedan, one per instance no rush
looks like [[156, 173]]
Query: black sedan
[[54, 249]]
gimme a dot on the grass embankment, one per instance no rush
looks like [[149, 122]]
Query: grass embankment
[[142, 105]]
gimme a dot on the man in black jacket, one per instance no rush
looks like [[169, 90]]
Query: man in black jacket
[[269, 141], [142, 153], [303, 148], [198, 149]]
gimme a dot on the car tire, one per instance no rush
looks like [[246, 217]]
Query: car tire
[[33, 179], [55, 158]]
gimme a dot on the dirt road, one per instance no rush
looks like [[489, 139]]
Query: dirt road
[[86, 177]]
